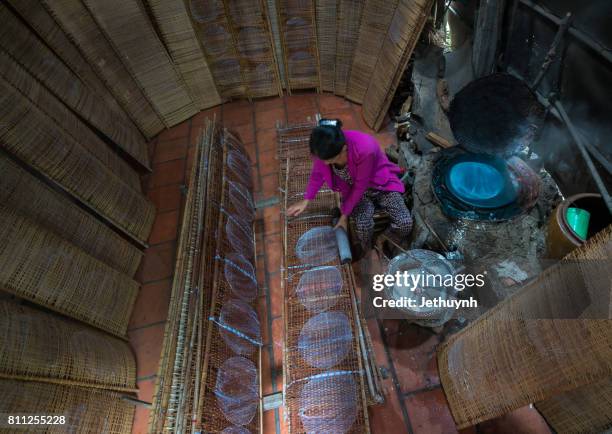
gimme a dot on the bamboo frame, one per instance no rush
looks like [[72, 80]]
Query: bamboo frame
[[295, 164]]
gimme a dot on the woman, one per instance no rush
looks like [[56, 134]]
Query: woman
[[353, 163]]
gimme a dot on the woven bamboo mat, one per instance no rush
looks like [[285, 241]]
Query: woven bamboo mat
[[77, 23], [31, 198], [375, 21], [327, 26], [127, 27], [341, 401], [213, 28], [298, 35], [40, 143], [86, 410], [34, 56], [42, 346], [198, 338], [510, 357], [249, 27], [178, 35], [39, 19], [348, 23], [230, 337], [41, 267], [404, 31], [177, 386], [69, 124], [587, 409], [274, 25]]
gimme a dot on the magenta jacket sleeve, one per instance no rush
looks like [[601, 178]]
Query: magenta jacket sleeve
[[315, 182], [364, 171]]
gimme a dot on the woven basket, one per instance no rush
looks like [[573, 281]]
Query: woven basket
[[377, 15], [86, 410], [348, 22], [127, 27], [404, 32], [587, 409], [41, 267], [34, 56], [510, 357], [80, 27], [56, 113], [42, 346], [40, 143], [60, 215], [181, 41]]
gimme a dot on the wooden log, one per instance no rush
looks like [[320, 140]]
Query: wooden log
[[437, 139]]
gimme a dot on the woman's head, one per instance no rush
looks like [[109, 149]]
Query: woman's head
[[327, 141]]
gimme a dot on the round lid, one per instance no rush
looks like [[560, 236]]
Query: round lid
[[496, 115]]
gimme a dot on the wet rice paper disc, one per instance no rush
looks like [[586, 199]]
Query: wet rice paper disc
[[319, 287], [239, 319], [235, 430], [240, 274], [317, 246], [240, 168], [328, 404], [325, 339], [241, 200], [240, 238], [237, 390]]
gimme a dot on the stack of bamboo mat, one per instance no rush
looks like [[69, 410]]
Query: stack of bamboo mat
[[209, 376], [67, 295]]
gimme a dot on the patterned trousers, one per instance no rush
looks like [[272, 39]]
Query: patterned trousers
[[390, 201]]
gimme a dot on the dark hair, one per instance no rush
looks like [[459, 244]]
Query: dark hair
[[326, 141]]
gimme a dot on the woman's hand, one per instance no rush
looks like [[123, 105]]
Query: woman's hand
[[342, 223], [297, 208]]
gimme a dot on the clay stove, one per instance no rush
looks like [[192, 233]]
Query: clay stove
[[481, 199]]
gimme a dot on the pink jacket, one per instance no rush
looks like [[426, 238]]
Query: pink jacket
[[368, 166]]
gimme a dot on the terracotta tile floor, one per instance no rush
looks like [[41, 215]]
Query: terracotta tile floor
[[415, 402]]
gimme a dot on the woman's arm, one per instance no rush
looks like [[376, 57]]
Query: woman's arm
[[315, 182], [314, 185]]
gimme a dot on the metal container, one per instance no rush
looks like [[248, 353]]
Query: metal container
[[423, 262]]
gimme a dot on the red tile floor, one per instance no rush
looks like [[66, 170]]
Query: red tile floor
[[415, 403]]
